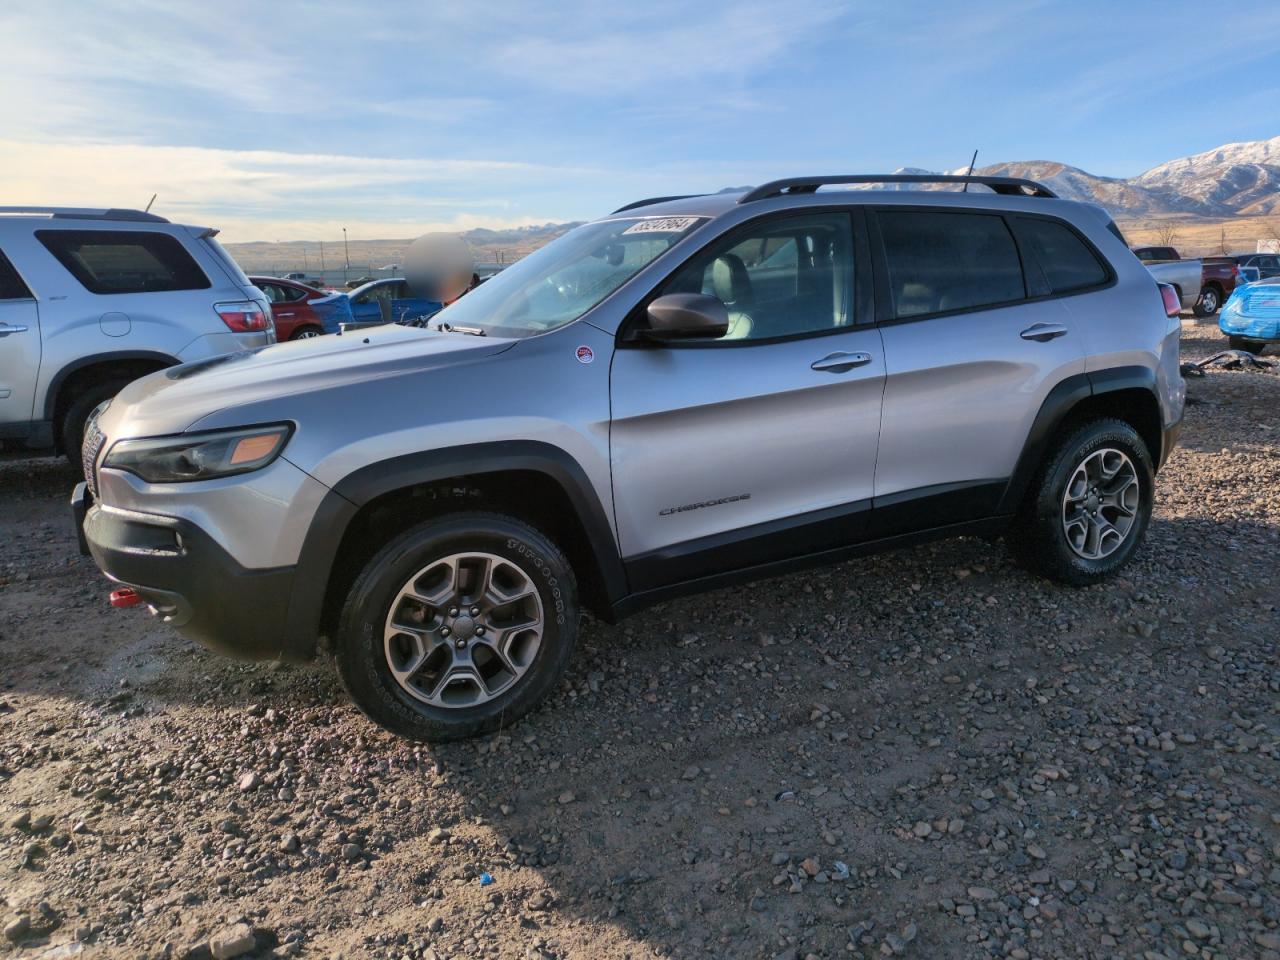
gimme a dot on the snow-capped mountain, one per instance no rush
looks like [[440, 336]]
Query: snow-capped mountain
[[1238, 179], [1241, 178]]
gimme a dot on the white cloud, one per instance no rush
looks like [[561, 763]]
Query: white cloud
[[629, 51], [270, 193]]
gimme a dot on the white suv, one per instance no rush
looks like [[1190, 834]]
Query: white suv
[[92, 299]]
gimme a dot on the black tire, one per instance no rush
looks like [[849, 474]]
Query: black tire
[[1209, 302], [1037, 539], [1248, 346], [362, 660], [306, 333], [73, 420]]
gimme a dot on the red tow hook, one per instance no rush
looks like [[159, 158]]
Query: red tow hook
[[125, 597]]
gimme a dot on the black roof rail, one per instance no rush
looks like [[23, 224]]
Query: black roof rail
[[653, 200], [1008, 186], [84, 213], [115, 213]]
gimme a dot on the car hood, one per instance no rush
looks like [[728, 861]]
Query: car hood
[[175, 399]]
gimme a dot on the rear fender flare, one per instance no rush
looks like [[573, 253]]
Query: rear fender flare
[[59, 379], [1055, 409]]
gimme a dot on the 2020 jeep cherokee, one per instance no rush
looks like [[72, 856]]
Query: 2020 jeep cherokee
[[687, 392]]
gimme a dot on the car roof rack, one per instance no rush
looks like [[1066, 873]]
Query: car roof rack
[[85, 213], [653, 200], [1008, 186]]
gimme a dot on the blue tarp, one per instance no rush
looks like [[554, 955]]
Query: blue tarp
[[1253, 312], [362, 307]]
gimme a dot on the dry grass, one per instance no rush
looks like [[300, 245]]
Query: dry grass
[[1202, 237]]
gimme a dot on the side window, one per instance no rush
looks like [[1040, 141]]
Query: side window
[[12, 286], [1067, 263], [948, 261], [119, 261], [781, 278], [291, 294], [271, 291]]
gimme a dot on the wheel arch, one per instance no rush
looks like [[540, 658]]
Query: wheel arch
[[1126, 393], [95, 368], [535, 482]]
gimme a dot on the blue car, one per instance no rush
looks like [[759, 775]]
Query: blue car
[[382, 301], [1251, 317]]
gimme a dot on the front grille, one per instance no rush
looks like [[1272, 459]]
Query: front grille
[[89, 450]]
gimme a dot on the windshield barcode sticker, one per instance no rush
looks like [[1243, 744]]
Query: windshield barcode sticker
[[662, 225]]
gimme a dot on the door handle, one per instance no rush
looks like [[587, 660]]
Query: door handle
[[1043, 332], [840, 362], [8, 328]]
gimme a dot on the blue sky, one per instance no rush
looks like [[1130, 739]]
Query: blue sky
[[281, 121]]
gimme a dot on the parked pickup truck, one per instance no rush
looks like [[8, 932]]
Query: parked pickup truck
[[1203, 285]]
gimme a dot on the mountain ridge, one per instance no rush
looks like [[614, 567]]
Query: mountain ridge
[[1234, 179]]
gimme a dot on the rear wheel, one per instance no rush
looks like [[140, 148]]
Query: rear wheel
[[458, 627], [1089, 507], [1248, 346], [77, 414], [305, 333], [1209, 302]]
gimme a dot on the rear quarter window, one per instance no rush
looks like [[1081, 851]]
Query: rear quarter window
[[939, 262], [1065, 260], [124, 261]]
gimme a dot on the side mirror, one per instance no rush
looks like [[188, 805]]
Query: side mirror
[[686, 316]]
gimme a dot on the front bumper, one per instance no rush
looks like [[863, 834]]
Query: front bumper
[[191, 582]]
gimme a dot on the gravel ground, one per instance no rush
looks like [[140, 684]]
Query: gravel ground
[[928, 754]]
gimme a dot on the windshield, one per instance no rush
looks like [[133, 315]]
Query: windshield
[[566, 278]]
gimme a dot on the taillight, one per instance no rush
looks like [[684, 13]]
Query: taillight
[[243, 316], [1172, 305]]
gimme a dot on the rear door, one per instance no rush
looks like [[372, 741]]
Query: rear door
[[284, 301], [740, 451], [972, 347], [19, 350]]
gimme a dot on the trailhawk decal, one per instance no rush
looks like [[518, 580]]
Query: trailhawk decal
[[585, 354], [703, 503]]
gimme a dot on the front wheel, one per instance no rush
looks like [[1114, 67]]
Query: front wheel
[[1209, 302], [1088, 508], [458, 627], [1245, 344]]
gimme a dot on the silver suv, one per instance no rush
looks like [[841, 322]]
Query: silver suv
[[91, 299], [686, 393]]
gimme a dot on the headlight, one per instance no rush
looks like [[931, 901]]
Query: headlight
[[199, 456]]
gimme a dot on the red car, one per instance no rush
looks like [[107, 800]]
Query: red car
[[291, 307]]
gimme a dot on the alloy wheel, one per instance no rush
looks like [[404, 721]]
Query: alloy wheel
[[463, 630], [1100, 505]]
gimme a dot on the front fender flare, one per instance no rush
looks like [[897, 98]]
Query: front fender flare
[[336, 511]]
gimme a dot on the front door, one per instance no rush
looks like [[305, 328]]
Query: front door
[[19, 348], [760, 445]]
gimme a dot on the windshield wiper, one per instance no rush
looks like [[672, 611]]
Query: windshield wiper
[[451, 328]]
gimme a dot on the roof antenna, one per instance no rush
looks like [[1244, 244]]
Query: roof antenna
[[153, 200], [969, 174]]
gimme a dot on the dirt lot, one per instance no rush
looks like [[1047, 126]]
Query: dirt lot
[[929, 754]]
